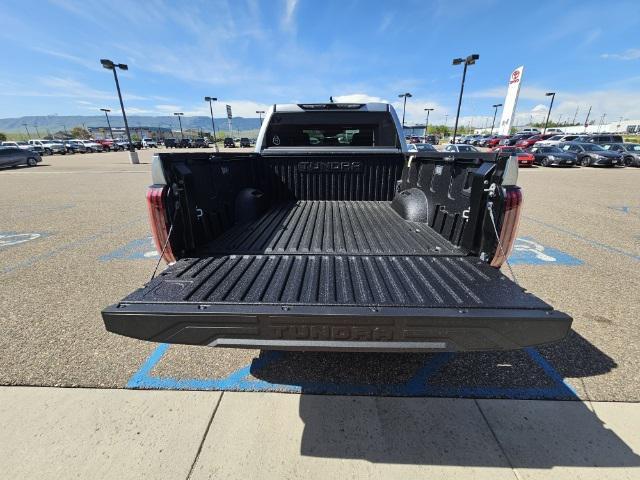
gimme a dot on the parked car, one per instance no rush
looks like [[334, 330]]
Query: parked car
[[590, 154], [525, 159], [431, 139], [19, 144], [420, 147], [75, 146], [149, 143], [49, 147], [554, 130], [480, 139], [493, 141], [109, 145], [170, 143], [184, 143], [600, 139], [14, 156], [552, 155], [456, 147], [244, 142], [91, 145], [630, 152], [512, 141], [199, 143], [528, 131], [532, 140], [229, 143]]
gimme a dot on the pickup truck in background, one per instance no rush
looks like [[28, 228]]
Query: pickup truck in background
[[332, 236]]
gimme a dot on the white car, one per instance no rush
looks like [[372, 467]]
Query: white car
[[21, 145], [460, 147], [555, 130], [533, 131], [556, 140], [49, 147], [149, 143], [91, 145]]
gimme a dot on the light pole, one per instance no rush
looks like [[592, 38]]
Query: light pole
[[260, 113], [553, 97], [110, 65], [586, 120], [179, 115], [106, 114], [27, 129], [495, 112], [470, 60], [426, 125], [213, 125], [37, 132], [404, 106]]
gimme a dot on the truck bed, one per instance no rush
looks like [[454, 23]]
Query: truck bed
[[336, 275]]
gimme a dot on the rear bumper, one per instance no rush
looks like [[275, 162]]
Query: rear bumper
[[373, 329]]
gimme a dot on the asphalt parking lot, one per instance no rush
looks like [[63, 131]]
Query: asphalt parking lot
[[74, 238]]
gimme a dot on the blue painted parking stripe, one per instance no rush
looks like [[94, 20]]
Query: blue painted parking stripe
[[584, 239], [418, 385]]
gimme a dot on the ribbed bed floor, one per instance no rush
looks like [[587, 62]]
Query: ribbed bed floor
[[333, 227]]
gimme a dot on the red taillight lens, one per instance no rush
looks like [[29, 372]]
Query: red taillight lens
[[159, 222], [510, 222]]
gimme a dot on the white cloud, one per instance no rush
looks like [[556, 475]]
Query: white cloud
[[630, 54], [289, 14], [358, 98]]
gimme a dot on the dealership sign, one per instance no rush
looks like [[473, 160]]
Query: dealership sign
[[229, 116], [509, 110]]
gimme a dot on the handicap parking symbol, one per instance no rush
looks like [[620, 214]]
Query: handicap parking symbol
[[9, 239], [140, 249], [527, 251]]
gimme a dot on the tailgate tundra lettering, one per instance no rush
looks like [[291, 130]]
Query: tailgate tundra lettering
[[332, 332], [318, 167]]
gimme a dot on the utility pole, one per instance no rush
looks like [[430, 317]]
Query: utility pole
[[27, 129], [179, 115], [575, 115], [546, 122]]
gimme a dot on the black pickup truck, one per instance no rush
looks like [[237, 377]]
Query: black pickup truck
[[332, 236]]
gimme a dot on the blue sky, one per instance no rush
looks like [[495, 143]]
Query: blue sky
[[253, 53]]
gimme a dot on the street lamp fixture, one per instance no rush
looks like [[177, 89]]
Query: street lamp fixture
[[213, 125], [106, 114], [426, 124], [404, 106], [110, 65], [553, 96], [470, 60], [495, 112], [179, 115], [260, 113]]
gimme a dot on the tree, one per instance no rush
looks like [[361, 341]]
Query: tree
[[81, 133], [3, 137]]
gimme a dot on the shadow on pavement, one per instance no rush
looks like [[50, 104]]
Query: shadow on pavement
[[438, 431], [523, 374]]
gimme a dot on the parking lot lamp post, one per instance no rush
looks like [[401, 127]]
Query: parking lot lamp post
[[27, 129], [106, 114], [586, 120], [260, 113], [37, 132], [213, 125], [179, 115], [110, 65], [495, 112], [404, 106], [426, 124], [470, 60], [546, 122]]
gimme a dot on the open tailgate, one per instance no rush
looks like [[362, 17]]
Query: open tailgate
[[337, 302]]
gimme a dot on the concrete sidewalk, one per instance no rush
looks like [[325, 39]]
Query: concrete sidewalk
[[82, 433]]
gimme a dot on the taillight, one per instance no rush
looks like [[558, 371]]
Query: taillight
[[159, 221], [510, 222]]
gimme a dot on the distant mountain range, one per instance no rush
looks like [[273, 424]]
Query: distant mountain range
[[55, 123]]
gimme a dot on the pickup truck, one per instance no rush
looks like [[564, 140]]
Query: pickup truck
[[332, 236]]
